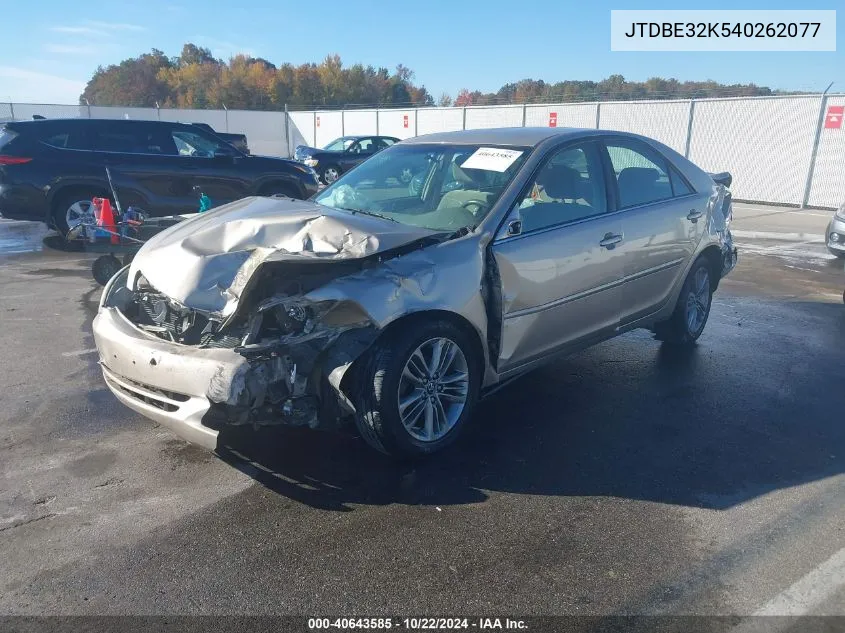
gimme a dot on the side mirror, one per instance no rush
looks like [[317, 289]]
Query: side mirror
[[514, 227]]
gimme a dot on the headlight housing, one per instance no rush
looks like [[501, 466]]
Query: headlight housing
[[311, 162], [840, 212]]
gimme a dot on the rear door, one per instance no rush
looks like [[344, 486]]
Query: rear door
[[660, 214], [561, 275], [143, 163]]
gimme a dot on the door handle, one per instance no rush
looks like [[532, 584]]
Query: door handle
[[693, 215], [610, 240]]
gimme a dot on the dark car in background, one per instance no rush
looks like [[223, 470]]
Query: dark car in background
[[342, 154], [51, 169], [238, 140]]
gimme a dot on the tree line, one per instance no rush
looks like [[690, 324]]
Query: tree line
[[196, 79]]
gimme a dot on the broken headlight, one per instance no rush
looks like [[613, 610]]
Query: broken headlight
[[286, 316]]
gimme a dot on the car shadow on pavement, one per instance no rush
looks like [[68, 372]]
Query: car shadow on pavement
[[755, 407]]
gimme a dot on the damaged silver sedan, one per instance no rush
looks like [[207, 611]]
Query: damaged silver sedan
[[395, 305]]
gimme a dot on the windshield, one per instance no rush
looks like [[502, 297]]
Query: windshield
[[340, 144], [439, 187]]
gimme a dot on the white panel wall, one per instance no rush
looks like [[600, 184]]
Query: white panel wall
[[495, 116], [215, 118], [394, 123], [329, 127], [764, 143], [265, 131], [107, 112], [665, 121], [568, 115], [828, 189], [301, 128], [24, 111], [359, 122], [430, 120]]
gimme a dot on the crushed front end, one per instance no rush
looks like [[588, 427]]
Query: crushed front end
[[278, 360]]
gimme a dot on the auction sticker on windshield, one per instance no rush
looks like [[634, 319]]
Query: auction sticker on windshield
[[491, 159]]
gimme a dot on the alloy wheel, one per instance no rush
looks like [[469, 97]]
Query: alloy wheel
[[433, 389]]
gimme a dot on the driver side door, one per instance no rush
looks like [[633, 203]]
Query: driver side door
[[357, 153], [559, 268], [219, 177]]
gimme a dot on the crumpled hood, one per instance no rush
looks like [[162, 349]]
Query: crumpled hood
[[205, 262]]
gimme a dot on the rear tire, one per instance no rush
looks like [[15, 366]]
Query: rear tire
[[692, 310], [74, 205], [417, 388]]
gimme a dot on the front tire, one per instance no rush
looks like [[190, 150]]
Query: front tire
[[329, 174], [692, 310], [417, 388]]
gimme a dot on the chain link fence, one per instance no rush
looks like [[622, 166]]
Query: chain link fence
[[783, 150]]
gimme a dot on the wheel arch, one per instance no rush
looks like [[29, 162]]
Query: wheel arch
[[408, 321], [713, 255], [65, 191]]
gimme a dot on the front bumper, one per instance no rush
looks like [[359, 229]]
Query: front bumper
[[166, 382]]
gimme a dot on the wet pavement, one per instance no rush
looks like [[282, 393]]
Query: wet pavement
[[624, 479]]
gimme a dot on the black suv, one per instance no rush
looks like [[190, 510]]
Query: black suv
[[50, 169]]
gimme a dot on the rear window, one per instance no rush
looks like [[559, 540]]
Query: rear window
[[65, 137]]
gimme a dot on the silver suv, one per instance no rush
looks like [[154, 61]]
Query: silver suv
[[397, 305]]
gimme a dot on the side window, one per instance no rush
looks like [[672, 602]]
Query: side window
[[679, 185], [193, 144], [67, 137], [568, 187], [135, 139], [385, 142], [363, 146], [641, 175]]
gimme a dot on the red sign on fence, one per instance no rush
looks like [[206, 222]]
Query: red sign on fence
[[318, 121], [833, 120], [552, 119], [405, 121]]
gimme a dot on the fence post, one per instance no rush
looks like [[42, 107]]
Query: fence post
[[689, 127], [376, 121], [416, 122], [464, 124], [524, 112], [314, 116], [598, 114], [287, 131], [226, 115], [12, 110], [343, 122], [819, 127]]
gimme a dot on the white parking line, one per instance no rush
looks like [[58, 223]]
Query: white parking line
[[79, 352], [811, 591]]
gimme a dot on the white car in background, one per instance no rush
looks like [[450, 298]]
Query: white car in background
[[835, 234]]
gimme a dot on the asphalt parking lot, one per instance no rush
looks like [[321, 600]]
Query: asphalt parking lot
[[625, 479]]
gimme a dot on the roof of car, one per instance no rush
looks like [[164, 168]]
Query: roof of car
[[520, 136]]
